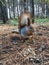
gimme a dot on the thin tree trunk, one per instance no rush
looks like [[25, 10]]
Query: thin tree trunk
[[24, 5], [9, 9], [13, 9], [38, 9], [32, 5], [0, 11], [47, 10]]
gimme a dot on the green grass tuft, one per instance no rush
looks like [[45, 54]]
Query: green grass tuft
[[41, 20]]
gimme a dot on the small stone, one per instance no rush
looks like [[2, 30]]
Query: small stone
[[35, 60]]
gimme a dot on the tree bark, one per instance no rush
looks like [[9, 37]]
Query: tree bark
[[24, 5], [13, 9], [32, 5], [4, 13]]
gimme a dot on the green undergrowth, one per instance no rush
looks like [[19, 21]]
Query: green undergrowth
[[16, 21], [41, 20], [13, 21]]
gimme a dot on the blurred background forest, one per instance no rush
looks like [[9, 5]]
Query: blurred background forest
[[10, 10]]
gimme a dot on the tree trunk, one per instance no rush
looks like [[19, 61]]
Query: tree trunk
[[25, 5], [9, 9], [38, 9], [13, 9], [47, 10], [4, 13], [0, 11], [32, 6]]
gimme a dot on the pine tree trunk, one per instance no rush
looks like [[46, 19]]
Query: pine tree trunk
[[4, 13], [13, 9], [32, 5], [24, 5]]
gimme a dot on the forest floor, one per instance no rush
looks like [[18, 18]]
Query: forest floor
[[34, 51]]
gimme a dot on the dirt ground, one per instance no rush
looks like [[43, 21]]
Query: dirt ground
[[34, 51]]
